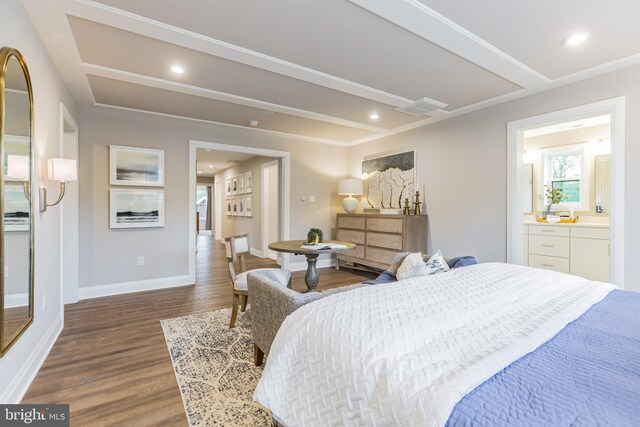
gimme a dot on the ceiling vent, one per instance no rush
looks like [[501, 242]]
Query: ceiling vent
[[422, 106]]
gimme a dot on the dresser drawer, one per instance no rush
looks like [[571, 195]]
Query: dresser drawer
[[357, 252], [351, 222], [351, 236], [560, 265], [549, 230], [385, 225], [391, 241], [384, 256], [591, 233], [549, 245]]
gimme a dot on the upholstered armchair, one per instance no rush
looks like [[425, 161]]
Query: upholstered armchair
[[271, 303]]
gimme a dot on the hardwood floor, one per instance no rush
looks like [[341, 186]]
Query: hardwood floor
[[111, 362]]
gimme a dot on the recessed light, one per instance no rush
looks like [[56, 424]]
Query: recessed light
[[575, 39], [374, 116], [177, 69], [211, 166], [253, 123], [208, 149], [199, 171]]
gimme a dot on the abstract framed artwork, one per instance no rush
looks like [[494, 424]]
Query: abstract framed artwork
[[388, 180], [234, 185], [240, 188], [240, 206], [248, 211], [234, 207], [248, 184], [229, 187], [136, 166], [16, 208], [136, 208], [229, 207]]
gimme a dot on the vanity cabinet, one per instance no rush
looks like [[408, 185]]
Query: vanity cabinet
[[583, 251]]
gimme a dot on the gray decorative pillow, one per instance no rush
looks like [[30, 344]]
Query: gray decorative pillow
[[412, 266], [437, 264]]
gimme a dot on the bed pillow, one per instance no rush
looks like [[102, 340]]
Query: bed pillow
[[397, 262], [437, 264], [412, 266]]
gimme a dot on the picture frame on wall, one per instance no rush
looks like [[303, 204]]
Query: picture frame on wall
[[136, 166], [240, 206], [248, 182], [229, 187], [141, 208], [234, 185], [248, 210], [234, 207], [16, 208], [229, 207], [240, 184], [387, 179]]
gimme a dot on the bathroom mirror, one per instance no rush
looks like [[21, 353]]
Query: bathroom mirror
[[603, 183], [16, 229]]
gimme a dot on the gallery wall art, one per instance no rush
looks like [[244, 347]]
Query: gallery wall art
[[388, 180], [237, 205], [136, 208], [136, 166]]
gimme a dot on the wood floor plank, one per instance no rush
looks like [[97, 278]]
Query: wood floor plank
[[111, 362]]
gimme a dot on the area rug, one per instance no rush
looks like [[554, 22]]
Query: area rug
[[214, 368]]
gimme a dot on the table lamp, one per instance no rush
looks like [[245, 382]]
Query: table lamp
[[350, 187]]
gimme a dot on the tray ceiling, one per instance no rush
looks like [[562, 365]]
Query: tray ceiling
[[319, 70]]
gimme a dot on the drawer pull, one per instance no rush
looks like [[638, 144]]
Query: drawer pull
[[548, 265], [548, 246]]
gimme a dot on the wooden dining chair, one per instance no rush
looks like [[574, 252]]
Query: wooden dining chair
[[236, 249]]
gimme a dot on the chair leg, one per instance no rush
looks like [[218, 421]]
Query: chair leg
[[234, 310], [258, 355], [245, 299]]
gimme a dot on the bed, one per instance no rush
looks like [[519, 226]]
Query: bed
[[490, 344]]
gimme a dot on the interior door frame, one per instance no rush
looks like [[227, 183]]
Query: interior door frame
[[265, 207], [616, 107], [285, 192], [69, 292]]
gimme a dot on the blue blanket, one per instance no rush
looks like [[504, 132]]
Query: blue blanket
[[587, 375]]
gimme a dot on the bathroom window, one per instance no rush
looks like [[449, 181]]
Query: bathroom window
[[566, 168]]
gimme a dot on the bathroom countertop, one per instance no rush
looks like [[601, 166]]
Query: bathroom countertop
[[574, 224]]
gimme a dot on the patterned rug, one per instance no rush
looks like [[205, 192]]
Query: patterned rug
[[214, 368]]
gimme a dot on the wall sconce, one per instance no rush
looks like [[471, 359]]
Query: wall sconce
[[18, 169], [350, 187], [62, 170]]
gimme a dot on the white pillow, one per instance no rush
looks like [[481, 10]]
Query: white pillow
[[437, 264], [412, 266]]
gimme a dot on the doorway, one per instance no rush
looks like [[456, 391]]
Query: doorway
[[234, 190], [69, 214], [518, 185], [270, 207]]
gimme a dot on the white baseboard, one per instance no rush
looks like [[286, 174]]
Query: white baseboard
[[18, 387], [16, 300], [205, 233], [137, 286], [322, 263], [256, 252]]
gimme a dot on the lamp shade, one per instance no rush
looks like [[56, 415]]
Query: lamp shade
[[62, 170], [350, 187], [18, 167]]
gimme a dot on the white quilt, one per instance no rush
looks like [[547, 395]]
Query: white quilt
[[403, 354]]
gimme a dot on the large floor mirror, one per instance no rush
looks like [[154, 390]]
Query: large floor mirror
[[16, 229]]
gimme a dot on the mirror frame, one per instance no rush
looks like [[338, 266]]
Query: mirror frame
[[7, 53]]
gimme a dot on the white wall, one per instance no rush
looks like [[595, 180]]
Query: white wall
[[20, 364], [462, 164]]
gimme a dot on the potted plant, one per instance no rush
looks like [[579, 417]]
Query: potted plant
[[553, 197], [314, 236]]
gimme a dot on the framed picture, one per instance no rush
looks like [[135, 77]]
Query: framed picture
[[234, 185], [16, 208], [248, 211], [229, 207], [240, 206], [248, 183], [136, 208], [229, 187], [234, 207], [136, 166], [240, 184], [389, 179]]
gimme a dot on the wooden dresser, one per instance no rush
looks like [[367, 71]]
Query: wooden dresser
[[379, 238]]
